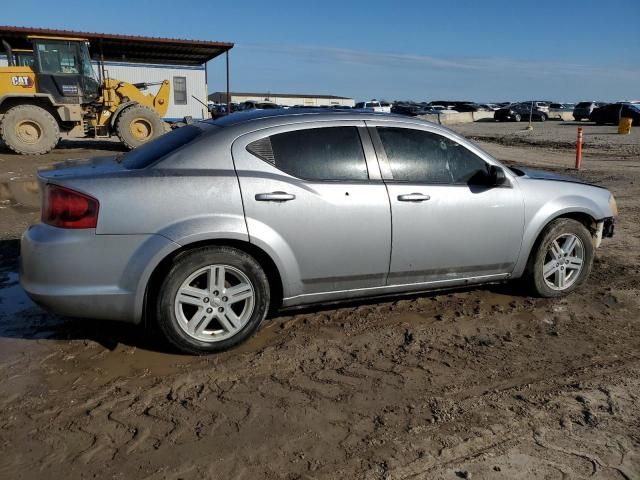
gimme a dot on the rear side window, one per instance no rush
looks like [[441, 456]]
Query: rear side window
[[425, 157], [149, 153], [331, 153]]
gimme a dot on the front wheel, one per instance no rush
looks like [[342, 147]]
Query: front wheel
[[212, 299], [543, 118], [517, 117], [29, 130], [562, 259]]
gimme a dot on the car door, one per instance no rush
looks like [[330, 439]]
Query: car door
[[448, 224], [315, 201]]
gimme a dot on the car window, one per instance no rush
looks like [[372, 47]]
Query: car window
[[149, 153], [328, 153], [425, 157]]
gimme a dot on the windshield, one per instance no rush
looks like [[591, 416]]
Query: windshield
[[58, 57], [87, 66]]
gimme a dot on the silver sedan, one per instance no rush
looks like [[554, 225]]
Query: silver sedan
[[206, 229]]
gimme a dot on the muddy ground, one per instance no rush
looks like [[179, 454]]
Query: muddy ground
[[478, 383]]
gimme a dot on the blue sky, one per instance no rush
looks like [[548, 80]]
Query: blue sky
[[478, 50]]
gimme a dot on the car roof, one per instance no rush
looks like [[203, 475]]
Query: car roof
[[294, 115]]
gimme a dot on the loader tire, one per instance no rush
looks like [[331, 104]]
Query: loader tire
[[138, 125], [29, 130]]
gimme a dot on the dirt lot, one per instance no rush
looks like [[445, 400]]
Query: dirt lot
[[478, 383]]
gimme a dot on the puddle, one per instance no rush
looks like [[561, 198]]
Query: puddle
[[13, 298], [21, 194]]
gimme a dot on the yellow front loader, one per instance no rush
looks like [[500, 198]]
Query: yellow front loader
[[53, 92]]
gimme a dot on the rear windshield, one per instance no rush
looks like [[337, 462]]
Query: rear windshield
[[583, 104], [148, 154]]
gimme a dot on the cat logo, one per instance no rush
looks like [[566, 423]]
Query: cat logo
[[22, 81]]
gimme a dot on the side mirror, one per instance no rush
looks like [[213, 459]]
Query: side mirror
[[497, 175]]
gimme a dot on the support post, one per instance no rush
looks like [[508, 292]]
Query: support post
[[579, 149], [228, 92]]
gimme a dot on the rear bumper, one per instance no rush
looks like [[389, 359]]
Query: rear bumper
[[80, 274]]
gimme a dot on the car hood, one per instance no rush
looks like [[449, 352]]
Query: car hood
[[544, 175]]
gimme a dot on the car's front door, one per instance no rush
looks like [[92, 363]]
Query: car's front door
[[449, 224], [316, 202]]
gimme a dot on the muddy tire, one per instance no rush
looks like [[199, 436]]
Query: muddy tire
[[29, 130], [137, 125], [561, 260], [212, 299]]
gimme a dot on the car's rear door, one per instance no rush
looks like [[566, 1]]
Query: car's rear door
[[314, 199], [446, 226]]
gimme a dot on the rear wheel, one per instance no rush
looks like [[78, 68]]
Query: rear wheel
[[29, 130], [517, 117], [137, 125], [543, 118], [212, 299], [562, 260]]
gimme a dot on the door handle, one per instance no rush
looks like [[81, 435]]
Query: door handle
[[275, 197], [413, 197]]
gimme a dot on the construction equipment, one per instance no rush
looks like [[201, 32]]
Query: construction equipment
[[53, 91]]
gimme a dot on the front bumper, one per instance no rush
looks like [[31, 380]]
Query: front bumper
[[77, 273], [608, 227]]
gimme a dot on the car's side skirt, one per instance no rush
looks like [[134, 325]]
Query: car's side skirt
[[327, 297]]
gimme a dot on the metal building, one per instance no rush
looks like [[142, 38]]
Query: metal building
[[136, 59], [287, 99]]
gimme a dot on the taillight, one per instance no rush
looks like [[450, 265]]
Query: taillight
[[66, 208]]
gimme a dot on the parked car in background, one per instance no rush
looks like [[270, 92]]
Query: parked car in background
[[253, 105], [439, 109], [613, 112], [469, 107], [444, 104], [386, 106], [207, 228], [561, 107], [373, 106], [520, 111], [411, 109], [542, 105], [583, 110]]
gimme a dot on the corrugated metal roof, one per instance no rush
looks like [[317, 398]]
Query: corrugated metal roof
[[279, 95], [129, 48]]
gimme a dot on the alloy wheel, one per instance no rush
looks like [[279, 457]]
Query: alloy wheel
[[214, 303], [563, 262]]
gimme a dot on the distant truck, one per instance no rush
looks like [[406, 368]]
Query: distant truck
[[374, 106]]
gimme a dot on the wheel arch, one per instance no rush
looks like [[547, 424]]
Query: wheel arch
[[584, 217], [44, 101], [266, 262]]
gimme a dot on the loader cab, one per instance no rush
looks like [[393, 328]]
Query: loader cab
[[23, 58], [64, 70]]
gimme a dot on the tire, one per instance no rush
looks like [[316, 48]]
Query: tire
[[210, 321], [517, 117], [137, 125], [543, 118], [577, 119], [29, 130], [560, 230]]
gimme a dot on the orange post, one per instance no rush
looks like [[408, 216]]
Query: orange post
[[579, 149]]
